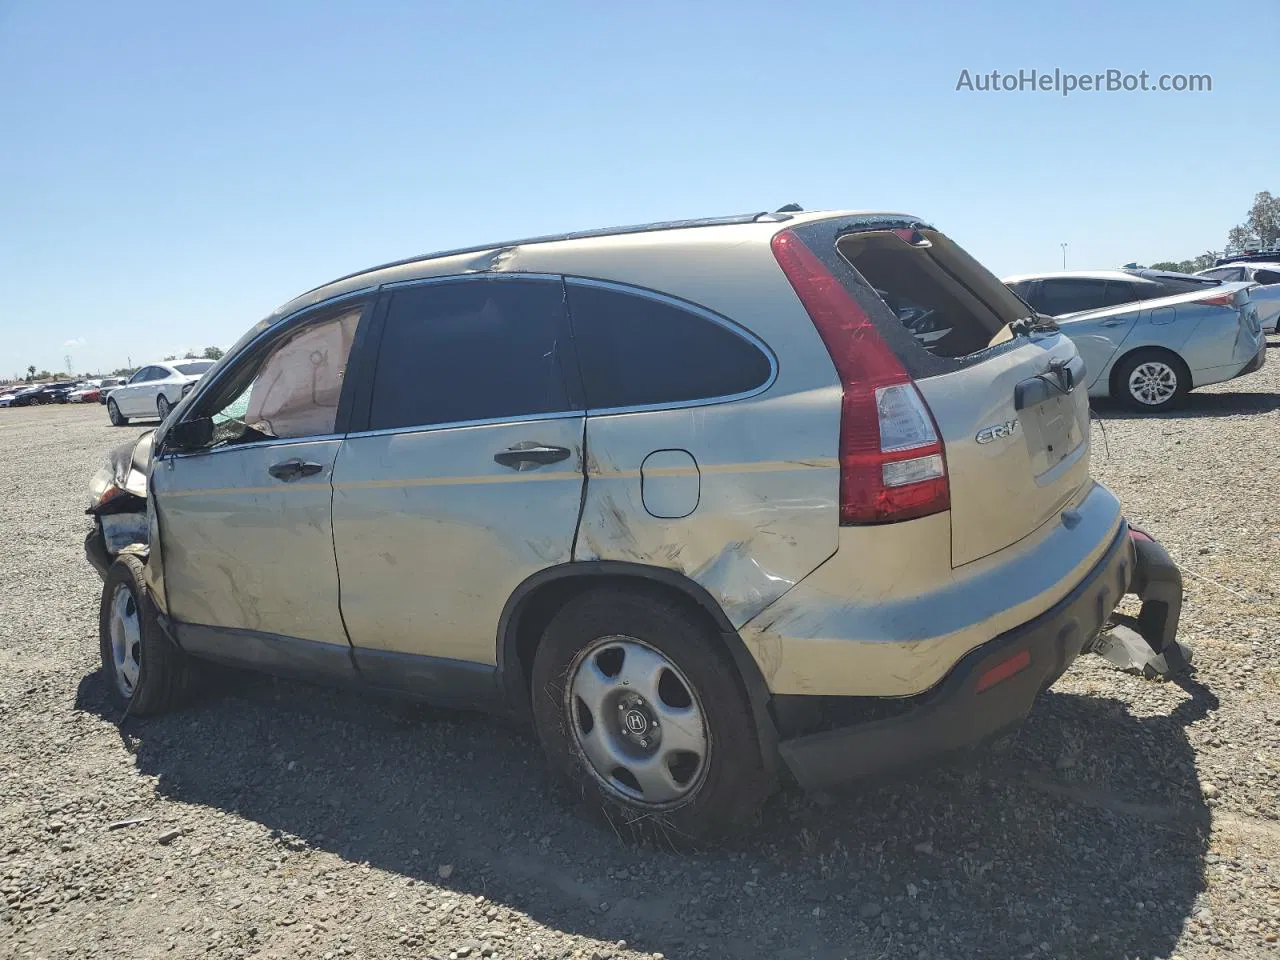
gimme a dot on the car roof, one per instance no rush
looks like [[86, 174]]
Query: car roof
[[1072, 275], [488, 256]]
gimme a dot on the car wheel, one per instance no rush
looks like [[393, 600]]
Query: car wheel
[[113, 412], [636, 704], [1152, 380], [145, 672], [163, 406]]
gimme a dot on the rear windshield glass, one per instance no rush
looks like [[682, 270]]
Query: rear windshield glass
[[193, 368], [950, 303]]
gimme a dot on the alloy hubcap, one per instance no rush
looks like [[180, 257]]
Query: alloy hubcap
[[1153, 382], [637, 723], [126, 640]]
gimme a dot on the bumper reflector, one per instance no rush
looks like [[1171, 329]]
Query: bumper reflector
[[1002, 671]]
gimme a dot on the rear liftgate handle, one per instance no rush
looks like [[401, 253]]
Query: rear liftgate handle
[[293, 469], [527, 456]]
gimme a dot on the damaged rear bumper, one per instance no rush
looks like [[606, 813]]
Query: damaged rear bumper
[[995, 685]]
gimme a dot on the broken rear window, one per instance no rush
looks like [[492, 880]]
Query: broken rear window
[[949, 303]]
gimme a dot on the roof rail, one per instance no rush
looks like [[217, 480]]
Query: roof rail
[[764, 216]]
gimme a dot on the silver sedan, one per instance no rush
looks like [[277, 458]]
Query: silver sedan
[[1149, 353]]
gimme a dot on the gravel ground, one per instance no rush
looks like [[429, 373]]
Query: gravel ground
[[274, 819]]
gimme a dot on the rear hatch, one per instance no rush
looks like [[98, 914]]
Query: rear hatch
[[1008, 400]]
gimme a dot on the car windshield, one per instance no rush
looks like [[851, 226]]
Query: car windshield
[[193, 367]]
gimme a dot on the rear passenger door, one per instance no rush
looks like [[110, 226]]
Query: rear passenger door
[[462, 476]]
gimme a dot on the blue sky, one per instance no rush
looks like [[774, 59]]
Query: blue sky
[[172, 171]]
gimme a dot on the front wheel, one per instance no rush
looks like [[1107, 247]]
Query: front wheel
[[113, 412], [636, 704], [1152, 380], [144, 671]]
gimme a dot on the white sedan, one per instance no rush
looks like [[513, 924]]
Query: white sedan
[[154, 390]]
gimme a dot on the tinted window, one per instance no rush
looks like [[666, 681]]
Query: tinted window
[[635, 350], [1266, 276], [1059, 296], [1118, 292], [1174, 286], [472, 350], [193, 367]]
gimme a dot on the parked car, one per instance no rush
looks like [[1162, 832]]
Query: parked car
[[1149, 353], [1266, 294], [107, 384], [89, 391], [154, 390], [1253, 251], [43, 393], [686, 498], [6, 398]]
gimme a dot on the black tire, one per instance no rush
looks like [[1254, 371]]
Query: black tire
[[163, 406], [734, 782], [1163, 362], [165, 676], [113, 411]]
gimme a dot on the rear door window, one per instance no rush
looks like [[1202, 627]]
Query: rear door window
[[639, 349], [1266, 276], [473, 349], [1060, 295], [1118, 292]]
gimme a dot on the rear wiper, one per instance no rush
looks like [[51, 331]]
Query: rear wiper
[[1038, 323]]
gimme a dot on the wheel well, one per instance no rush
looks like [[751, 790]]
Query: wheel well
[[536, 610], [1161, 351], [536, 601]]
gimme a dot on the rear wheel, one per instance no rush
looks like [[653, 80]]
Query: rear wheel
[[1152, 380], [113, 412], [163, 406], [638, 707], [145, 672]]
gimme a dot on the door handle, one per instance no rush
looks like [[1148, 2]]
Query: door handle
[[1114, 323], [528, 456], [293, 469]]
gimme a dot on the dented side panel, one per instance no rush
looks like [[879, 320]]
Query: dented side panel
[[244, 550], [433, 535], [766, 513]]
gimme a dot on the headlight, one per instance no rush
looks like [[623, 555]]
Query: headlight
[[103, 487]]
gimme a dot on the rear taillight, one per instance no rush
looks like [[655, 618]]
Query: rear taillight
[[892, 465], [1218, 300]]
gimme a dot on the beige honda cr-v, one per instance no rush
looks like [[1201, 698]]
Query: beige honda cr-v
[[696, 499]]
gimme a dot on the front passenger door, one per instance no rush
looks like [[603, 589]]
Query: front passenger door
[[465, 479], [128, 398]]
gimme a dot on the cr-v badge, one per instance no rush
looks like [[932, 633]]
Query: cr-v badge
[[997, 431]]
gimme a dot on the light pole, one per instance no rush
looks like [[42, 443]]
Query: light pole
[[1064, 255]]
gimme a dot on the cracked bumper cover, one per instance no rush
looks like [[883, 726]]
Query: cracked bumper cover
[[967, 707]]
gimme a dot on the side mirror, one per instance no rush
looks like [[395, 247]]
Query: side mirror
[[189, 434]]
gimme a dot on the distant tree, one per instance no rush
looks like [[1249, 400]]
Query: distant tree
[[1202, 262], [124, 371], [1262, 223], [31, 372], [191, 355], [172, 356], [213, 353]]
